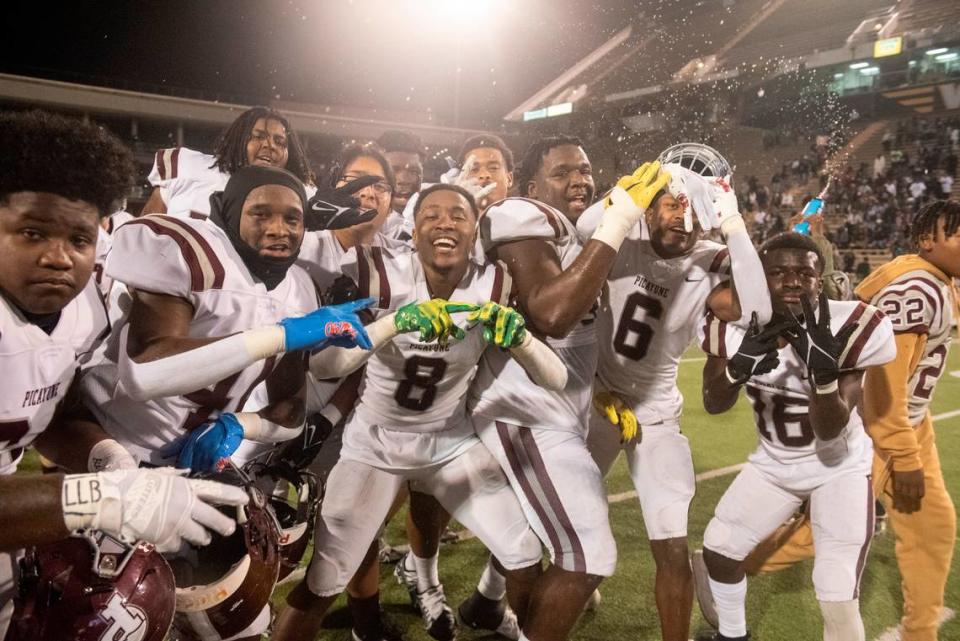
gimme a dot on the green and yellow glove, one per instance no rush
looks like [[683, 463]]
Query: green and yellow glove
[[432, 319], [502, 326], [613, 409]]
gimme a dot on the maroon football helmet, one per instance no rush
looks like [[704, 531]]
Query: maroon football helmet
[[90, 587], [225, 586]]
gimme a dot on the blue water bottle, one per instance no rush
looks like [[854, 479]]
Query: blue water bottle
[[813, 207]]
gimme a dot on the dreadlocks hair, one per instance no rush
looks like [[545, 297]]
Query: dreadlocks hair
[[398, 140], [351, 152], [77, 160], [792, 240], [533, 157], [231, 146], [925, 220], [490, 141], [445, 187]]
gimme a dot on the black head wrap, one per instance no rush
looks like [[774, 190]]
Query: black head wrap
[[227, 205]]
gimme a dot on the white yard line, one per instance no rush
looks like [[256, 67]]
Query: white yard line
[[955, 373], [950, 414], [703, 476]]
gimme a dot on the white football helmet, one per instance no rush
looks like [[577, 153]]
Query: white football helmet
[[698, 158]]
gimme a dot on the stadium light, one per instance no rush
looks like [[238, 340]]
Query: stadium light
[[934, 52], [870, 71], [859, 65], [838, 75], [947, 57]]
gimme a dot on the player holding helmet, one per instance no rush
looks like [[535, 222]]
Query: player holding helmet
[[53, 193]]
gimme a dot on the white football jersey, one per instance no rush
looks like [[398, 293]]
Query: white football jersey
[[503, 391], [38, 368], [410, 385], [104, 242], [195, 261], [650, 311], [186, 179], [919, 302], [781, 398]]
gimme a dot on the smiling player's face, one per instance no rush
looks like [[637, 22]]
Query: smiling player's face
[[445, 230], [665, 222], [272, 221]]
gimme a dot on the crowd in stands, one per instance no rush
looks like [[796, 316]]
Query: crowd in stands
[[868, 206]]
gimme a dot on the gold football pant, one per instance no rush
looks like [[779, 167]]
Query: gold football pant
[[924, 540]]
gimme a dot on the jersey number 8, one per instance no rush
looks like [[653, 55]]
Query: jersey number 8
[[422, 374]]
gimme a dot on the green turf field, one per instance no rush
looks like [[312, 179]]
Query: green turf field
[[780, 607]]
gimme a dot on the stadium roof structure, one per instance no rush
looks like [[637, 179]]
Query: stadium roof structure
[[698, 41]]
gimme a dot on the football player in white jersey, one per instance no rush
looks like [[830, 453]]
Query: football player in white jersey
[[215, 309], [487, 166], [813, 445], [183, 178], [539, 436], [650, 311], [411, 424], [53, 193], [328, 402]]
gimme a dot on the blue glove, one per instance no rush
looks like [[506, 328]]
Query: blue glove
[[331, 325], [208, 448]]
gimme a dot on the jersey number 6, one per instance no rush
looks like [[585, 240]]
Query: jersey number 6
[[633, 335]]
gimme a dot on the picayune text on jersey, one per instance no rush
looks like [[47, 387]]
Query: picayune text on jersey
[[653, 288], [40, 395]]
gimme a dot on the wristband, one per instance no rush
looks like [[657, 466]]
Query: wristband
[[332, 413], [733, 381], [256, 428], [829, 388], [108, 455], [90, 501]]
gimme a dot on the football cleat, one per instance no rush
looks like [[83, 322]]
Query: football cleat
[[437, 616], [716, 636], [392, 553], [701, 586], [480, 613], [408, 579]]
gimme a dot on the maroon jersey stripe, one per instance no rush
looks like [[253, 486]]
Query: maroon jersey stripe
[[363, 273], [717, 263], [189, 255], [497, 291], [377, 254], [853, 355], [218, 271]]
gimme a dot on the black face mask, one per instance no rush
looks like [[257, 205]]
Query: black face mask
[[226, 207]]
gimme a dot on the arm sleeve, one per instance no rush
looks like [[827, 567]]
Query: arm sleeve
[[541, 363], [748, 277], [337, 362], [885, 398]]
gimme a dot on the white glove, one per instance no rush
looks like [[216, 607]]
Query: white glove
[[694, 194], [460, 176], [108, 455], [159, 506], [725, 206]]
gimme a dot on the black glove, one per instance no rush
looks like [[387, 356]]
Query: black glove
[[332, 208], [815, 343], [299, 453], [758, 351]]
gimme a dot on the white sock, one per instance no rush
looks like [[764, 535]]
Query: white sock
[[428, 573], [841, 621], [731, 603], [523, 637], [492, 584]]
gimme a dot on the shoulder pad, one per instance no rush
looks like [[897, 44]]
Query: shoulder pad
[[180, 163], [521, 219], [872, 342], [166, 255]]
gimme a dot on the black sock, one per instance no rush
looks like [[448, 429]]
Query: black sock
[[366, 617]]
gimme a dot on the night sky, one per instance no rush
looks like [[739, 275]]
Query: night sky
[[384, 54]]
